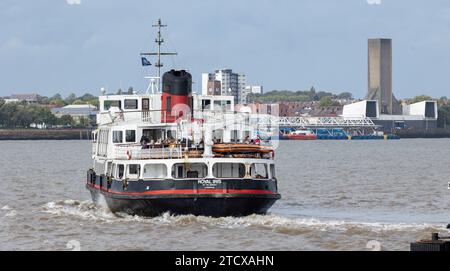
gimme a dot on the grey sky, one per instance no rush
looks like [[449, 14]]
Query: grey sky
[[49, 46]]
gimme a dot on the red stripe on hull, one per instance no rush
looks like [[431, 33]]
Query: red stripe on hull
[[186, 191]]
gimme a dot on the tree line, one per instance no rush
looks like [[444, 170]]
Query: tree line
[[72, 98], [325, 98], [58, 100], [23, 115]]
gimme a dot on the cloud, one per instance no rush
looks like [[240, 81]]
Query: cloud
[[73, 2], [16, 46], [374, 2]]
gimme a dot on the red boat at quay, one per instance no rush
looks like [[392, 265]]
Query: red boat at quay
[[300, 135]]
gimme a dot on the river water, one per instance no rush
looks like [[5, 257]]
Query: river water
[[336, 195]]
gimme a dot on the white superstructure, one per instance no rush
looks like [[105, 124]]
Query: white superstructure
[[123, 120]]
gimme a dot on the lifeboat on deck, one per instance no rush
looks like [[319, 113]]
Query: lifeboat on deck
[[240, 148]]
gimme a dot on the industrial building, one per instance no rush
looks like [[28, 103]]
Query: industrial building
[[380, 104], [76, 111], [380, 76], [417, 116]]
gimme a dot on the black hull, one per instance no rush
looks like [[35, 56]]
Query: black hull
[[217, 206], [183, 197]]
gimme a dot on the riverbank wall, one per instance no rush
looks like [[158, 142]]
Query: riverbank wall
[[431, 133], [45, 134]]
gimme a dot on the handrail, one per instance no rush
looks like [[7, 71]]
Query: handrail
[[137, 152]]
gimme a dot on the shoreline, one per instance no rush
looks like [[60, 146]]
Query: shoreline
[[47, 134], [86, 134]]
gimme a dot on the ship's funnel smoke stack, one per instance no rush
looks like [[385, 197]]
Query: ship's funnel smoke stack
[[177, 92], [177, 82]]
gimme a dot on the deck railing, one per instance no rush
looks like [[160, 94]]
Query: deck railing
[[128, 152]]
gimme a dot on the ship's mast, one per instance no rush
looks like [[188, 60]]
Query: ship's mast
[[159, 40]]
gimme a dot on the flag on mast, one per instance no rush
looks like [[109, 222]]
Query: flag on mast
[[145, 62]]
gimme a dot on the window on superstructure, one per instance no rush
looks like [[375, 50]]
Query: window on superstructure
[[134, 171], [228, 105], [108, 104], [155, 171], [259, 171], [189, 170], [229, 170], [109, 169], [234, 136], [154, 135], [130, 136], [146, 104], [120, 171], [171, 134], [117, 136], [206, 104], [131, 104], [217, 105]]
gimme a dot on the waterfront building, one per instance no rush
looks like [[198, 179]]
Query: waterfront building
[[9, 100], [211, 86], [255, 89], [29, 98], [231, 83], [249, 90], [76, 111]]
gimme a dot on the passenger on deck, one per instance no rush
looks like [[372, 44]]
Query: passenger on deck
[[170, 141], [144, 142], [201, 145], [258, 140]]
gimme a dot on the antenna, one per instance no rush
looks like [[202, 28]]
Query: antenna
[[159, 40]]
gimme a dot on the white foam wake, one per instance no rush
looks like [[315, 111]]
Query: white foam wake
[[10, 212], [293, 226], [80, 209], [6, 208]]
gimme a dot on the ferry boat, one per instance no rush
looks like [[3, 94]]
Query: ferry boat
[[179, 152]]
